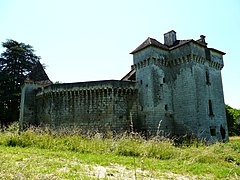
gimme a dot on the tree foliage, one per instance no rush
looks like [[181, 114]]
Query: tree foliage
[[15, 63], [233, 120]]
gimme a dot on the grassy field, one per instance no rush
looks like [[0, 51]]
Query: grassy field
[[45, 154]]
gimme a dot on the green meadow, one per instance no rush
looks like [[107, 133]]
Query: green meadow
[[46, 154]]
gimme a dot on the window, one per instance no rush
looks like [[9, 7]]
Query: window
[[164, 80], [213, 131], [141, 82], [166, 107], [210, 107], [207, 78]]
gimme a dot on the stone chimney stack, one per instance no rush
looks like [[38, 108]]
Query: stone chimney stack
[[170, 38], [202, 38]]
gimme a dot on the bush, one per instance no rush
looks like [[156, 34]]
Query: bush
[[233, 120]]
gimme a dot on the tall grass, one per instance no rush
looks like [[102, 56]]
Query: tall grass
[[124, 144], [193, 157]]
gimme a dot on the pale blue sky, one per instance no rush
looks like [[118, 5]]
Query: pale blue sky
[[87, 40]]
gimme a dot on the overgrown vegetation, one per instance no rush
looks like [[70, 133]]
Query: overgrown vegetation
[[233, 120], [15, 63], [47, 154]]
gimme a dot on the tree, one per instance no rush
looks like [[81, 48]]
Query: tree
[[15, 63], [233, 120]]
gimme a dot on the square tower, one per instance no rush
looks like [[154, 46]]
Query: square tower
[[180, 88]]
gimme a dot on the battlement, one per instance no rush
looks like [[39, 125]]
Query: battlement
[[92, 85]]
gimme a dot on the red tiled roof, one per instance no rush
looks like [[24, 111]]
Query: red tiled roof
[[178, 43], [150, 42], [153, 42]]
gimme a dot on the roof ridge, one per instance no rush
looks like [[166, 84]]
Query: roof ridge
[[148, 42]]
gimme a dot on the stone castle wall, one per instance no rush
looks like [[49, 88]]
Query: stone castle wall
[[97, 106]]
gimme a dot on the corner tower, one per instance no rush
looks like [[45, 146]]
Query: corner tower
[[155, 98], [36, 79]]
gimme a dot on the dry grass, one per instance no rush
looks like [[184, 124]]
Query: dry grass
[[47, 154]]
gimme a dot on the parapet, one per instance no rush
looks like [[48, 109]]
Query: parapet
[[92, 85]]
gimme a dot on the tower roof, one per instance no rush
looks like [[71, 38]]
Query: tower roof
[[153, 42], [150, 42], [171, 42], [38, 74]]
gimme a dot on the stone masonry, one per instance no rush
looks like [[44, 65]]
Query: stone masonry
[[173, 88]]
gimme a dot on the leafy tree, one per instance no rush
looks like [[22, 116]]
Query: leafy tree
[[15, 63], [233, 120]]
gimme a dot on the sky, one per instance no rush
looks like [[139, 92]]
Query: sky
[[81, 40]]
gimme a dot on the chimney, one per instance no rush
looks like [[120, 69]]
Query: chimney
[[202, 39], [170, 38]]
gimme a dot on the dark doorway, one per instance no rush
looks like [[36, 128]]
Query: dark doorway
[[223, 132]]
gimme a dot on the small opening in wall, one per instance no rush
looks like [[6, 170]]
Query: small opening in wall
[[166, 107], [210, 108], [141, 82], [163, 80], [213, 131], [120, 117], [223, 132], [141, 108], [146, 85], [207, 78]]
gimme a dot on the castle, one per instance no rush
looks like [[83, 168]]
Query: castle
[[174, 88]]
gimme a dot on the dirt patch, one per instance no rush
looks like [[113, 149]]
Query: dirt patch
[[121, 172]]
